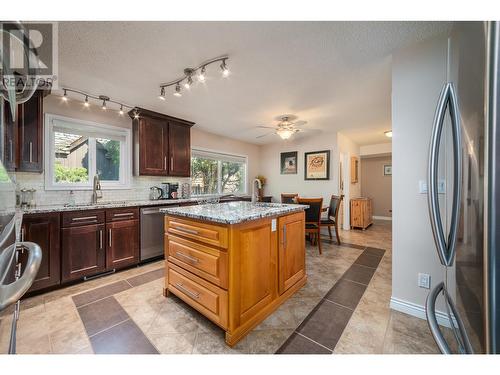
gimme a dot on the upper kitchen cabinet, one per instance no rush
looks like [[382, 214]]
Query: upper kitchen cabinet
[[162, 144], [24, 136]]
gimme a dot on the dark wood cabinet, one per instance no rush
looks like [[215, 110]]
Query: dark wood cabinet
[[44, 230], [179, 145], [30, 127], [23, 150], [162, 144], [83, 252], [123, 244], [10, 140]]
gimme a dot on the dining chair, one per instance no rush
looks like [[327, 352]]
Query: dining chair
[[313, 219], [332, 219], [289, 198]]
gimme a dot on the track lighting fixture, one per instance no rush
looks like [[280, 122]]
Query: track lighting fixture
[[199, 73], [162, 94], [388, 133], [105, 100], [178, 90]]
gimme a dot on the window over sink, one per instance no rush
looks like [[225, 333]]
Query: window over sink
[[218, 173], [77, 150]]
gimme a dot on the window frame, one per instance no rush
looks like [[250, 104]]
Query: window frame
[[216, 155], [103, 131]]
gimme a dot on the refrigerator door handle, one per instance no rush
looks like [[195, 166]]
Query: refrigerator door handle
[[11, 293], [445, 247], [430, 312]]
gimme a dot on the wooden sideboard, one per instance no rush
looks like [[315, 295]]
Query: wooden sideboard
[[361, 213]]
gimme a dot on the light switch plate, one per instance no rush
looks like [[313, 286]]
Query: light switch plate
[[273, 225]]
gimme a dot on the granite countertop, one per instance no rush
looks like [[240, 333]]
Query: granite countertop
[[233, 212], [110, 204]]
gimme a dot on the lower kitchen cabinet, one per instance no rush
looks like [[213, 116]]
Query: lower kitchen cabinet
[[44, 230], [83, 252], [123, 244], [291, 256]]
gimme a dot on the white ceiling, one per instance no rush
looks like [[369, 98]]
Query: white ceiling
[[334, 75]]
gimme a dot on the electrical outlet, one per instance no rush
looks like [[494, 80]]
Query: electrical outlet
[[424, 280]]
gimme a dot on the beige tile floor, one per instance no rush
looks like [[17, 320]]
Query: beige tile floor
[[50, 323]]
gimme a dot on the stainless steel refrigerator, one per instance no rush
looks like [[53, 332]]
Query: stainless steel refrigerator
[[17, 271], [466, 223]]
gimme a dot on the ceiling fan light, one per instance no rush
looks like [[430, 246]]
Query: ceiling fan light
[[285, 133]]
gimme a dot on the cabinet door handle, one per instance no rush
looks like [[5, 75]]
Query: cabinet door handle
[[31, 152], [171, 162], [188, 257], [124, 214], [84, 218], [110, 237], [23, 231], [100, 239], [165, 163], [187, 291], [11, 151]]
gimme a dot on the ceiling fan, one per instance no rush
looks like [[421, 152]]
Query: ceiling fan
[[285, 128]]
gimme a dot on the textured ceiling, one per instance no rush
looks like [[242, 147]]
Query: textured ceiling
[[335, 75]]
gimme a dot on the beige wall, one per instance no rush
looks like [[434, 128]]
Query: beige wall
[[278, 183], [418, 75], [375, 185]]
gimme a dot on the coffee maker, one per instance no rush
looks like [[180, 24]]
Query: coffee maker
[[169, 190]]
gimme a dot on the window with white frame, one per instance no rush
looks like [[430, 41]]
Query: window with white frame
[[77, 150], [217, 173]]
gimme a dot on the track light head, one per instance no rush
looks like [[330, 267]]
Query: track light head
[[65, 96], [121, 110], [104, 105], [86, 103], [224, 69], [162, 94], [178, 90], [201, 75], [188, 83]]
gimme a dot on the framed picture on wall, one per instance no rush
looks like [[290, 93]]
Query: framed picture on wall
[[289, 162], [388, 170], [317, 165]]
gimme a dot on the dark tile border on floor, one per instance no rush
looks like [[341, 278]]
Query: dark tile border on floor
[[146, 277], [321, 330], [100, 293]]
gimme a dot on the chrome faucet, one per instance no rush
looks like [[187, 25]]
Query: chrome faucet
[[96, 191], [259, 186]]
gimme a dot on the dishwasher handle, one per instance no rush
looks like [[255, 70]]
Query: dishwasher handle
[[155, 210]]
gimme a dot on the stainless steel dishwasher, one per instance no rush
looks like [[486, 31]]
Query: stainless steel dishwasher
[[152, 232]]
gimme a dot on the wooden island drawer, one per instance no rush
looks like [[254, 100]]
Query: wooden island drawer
[[204, 261], [208, 299], [211, 234]]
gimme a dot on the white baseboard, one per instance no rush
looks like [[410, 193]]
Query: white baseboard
[[417, 311], [383, 218]]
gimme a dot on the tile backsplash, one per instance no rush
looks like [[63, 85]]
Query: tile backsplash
[[139, 189]]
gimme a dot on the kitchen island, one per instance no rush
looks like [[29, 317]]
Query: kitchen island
[[235, 262]]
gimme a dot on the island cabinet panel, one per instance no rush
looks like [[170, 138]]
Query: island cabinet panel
[[254, 268], [207, 262], [292, 261], [83, 252], [44, 230], [122, 244], [212, 234]]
